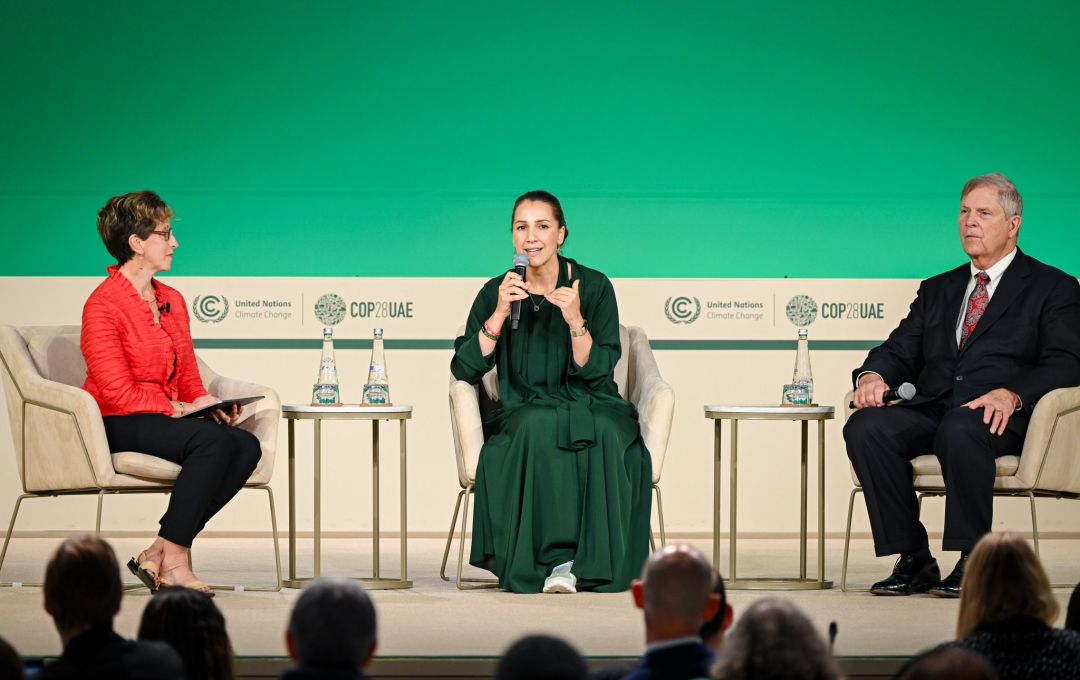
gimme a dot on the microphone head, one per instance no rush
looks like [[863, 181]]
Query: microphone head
[[521, 260], [906, 391]]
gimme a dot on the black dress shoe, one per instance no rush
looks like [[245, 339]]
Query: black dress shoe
[[950, 585], [910, 575]]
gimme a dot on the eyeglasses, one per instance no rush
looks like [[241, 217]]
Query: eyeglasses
[[166, 234]]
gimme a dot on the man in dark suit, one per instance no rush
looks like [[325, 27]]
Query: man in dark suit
[[676, 594], [982, 344], [82, 594]]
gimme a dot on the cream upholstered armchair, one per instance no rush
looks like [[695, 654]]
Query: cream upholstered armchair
[[638, 379], [59, 438], [1047, 467]]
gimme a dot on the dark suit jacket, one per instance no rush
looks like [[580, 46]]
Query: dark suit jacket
[[1027, 341], [681, 662], [101, 653]]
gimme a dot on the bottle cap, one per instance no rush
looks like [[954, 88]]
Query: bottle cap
[[327, 331], [378, 332]]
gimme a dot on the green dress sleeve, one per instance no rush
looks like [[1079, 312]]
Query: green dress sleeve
[[469, 363], [601, 313]]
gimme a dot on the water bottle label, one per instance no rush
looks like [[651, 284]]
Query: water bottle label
[[325, 395]]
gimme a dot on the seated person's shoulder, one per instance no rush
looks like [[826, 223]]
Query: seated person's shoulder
[[593, 278], [1051, 273], [947, 277]]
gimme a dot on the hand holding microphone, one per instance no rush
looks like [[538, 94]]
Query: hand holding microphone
[[875, 392], [521, 262]]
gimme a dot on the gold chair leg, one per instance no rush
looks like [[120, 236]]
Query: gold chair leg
[[450, 537], [1035, 538], [97, 521], [462, 580], [660, 515], [1034, 524], [11, 527], [278, 583], [847, 538], [277, 545]]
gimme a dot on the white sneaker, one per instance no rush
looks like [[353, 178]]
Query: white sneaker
[[561, 580]]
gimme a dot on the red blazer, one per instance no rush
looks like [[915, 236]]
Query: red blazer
[[134, 365]]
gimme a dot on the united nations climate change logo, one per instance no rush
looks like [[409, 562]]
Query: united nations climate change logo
[[330, 309], [210, 308], [682, 309], [801, 310]]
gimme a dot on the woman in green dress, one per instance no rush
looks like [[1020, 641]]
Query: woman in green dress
[[563, 485]]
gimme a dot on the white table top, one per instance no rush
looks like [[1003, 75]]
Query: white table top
[[346, 408], [770, 409]]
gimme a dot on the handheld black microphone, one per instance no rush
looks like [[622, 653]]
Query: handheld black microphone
[[521, 261], [905, 392]]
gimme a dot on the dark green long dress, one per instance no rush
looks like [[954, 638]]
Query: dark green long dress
[[564, 474]]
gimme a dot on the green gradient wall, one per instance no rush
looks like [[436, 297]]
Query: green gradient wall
[[690, 139]]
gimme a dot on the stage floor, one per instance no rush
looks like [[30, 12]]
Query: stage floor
[[434, 619]]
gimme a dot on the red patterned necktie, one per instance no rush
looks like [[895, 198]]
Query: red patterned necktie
[[975, 307]]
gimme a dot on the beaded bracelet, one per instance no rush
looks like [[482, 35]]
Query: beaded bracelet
[[494, 337]]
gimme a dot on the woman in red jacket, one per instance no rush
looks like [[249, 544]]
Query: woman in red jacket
[[141, 369]]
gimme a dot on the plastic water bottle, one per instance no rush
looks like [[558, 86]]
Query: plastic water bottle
[[803, 377], [377, 388], [326, 391]]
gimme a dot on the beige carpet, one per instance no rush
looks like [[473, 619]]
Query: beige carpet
[[435, 619]]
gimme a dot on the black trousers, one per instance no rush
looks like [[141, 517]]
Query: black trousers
[[881, 443], [216, 460]]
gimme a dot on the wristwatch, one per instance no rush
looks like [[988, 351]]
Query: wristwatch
[[580, 332]]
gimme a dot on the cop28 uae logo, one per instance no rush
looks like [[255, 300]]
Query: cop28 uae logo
[[801, 310], [682, 309], [330, 309], [210, 308]]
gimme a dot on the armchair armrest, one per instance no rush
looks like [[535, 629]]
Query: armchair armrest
[[61, 436], [260, 419], [656, 411], [1051, 456], [468, 429]]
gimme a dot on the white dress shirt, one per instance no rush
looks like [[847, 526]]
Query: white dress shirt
[[994, 273]]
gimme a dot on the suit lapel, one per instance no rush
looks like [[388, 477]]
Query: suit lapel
[[954, 293], [1013, 281]]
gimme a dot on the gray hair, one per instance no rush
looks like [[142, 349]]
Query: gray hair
[[773, 639], [333, 625], [1008, 195]]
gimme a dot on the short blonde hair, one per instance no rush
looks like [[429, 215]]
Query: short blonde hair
[[1003, 578]]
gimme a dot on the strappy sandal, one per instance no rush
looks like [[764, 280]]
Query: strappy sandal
[[146, 571], [196, 585]]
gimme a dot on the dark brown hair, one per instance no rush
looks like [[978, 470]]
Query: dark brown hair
[[543, 197], [138, 213], [193, 625], [82, 584]]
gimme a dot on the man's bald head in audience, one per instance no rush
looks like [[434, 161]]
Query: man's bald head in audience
[[676, 592]]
